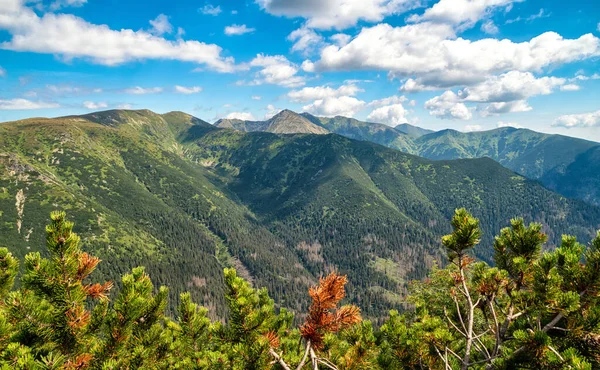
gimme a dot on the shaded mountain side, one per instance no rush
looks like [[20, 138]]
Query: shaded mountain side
[[185, 199], [580, 179]]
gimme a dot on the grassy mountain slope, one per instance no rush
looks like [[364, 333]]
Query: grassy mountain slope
[[186, 198], [284, 122], [527, 152], [375, 132], [413, 131]]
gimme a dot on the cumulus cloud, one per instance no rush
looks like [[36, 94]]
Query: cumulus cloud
[[161, 25], [94, 105], [473, 128], [338, 14], [271, 111], [591, 119], [501, 124], [275, 70], [494, 109], [187, 90], [391, 115], [433, 56], [570, 87], [2, 72], [321, 92], [58, 4], [388, 101], [209, 9], [340, 39], [305, 40], [462, 13], [346, 106], [72, 37], [236, 30], [448, 106], [24, 104], [143, 91], [506, 93], [256, 97], [510, 86], [489, 27], [244, 116]]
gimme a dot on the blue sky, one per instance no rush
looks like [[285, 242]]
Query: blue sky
[[461, 64]]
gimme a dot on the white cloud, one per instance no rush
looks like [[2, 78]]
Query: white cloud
[[346, 106], [598, 27], [340, 39], [591, 119], [161, 25], [188, 90], [305, 40], [276, 70], [501, 124], [236, 30], [570, 87], [142, 91], [473, 128], [124, 106], [271, 111], [256, 97], [244, 116], [433, 56], [338, 14], [541, 14], [24, 104], [447, 106], [391, 115], [494, 109], [489, 27], [209, 9], [462, 13], [72, 37], [2, 72], [411, 86], [321, 92], [388, 101], [57, 4], [93, 105], [510, 86]]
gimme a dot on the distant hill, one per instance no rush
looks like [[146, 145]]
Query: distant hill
[[579, 179], [413, 131], [533, 154], [285, 122], [185, 199]]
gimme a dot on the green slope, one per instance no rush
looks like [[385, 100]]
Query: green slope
[[413, 131], [580, 179], [535, 155], [527, 152], [186, 198]]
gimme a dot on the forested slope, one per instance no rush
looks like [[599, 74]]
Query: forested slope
[[186, 199]]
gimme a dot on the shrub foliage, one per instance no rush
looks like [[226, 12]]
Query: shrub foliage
[[532, 310]]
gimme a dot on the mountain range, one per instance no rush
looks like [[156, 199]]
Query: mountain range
[[562, 163], [186, 198]]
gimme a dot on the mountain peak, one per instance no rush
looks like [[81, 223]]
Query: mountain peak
[[290, 122]]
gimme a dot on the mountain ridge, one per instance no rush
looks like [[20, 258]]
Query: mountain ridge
[[281, 209]]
